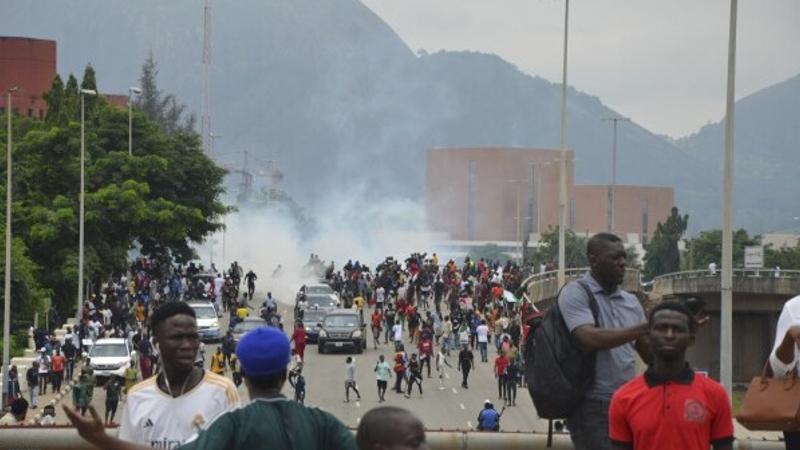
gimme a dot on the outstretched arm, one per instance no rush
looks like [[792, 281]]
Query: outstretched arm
[[92, 430]]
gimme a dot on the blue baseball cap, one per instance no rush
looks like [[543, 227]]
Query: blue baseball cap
[[263, 352]]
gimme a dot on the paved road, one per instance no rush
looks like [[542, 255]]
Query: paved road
[[449, 408]]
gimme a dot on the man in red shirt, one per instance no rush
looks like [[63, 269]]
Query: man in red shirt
[[299, 339], [57, 364], [670, 406], [500, 365]]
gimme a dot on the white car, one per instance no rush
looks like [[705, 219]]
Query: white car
[[207, 321], [111, 356]]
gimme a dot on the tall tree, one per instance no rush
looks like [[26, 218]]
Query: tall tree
[[159, 107], [663, 255], [89, 81], [55, 102]]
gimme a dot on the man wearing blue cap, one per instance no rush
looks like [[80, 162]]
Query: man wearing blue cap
[[270, 420]]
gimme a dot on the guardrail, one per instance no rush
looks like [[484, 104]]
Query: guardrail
[[737, 273], [63, 437]]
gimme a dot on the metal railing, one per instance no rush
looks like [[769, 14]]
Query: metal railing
[[737, 273], [63, 437]]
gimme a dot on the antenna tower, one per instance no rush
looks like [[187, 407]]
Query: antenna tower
[[206, 101]]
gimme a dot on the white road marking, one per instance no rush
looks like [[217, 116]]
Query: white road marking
[[446, 375], [358, 404], [358, 420], [469, 424], [461, 405], [454, 391]]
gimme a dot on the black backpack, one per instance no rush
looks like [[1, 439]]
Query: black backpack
[[558, 372]]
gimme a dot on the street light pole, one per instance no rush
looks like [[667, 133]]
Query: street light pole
[[726, 285], [84, 93], [612, 195], [562, 181], [7, 286], [131, 92]]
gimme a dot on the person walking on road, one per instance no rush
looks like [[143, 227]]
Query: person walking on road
[[131, 376], [298, 382], [441, 362], [218, 362], [785, 351], [251, 278], [500, 366], [377, 320], [414, 375], [12, 386], [32, 378], [80, 394], [299, 338], [670, 406], [228, 346], [466, 360], [397, 331], [382, 374], [350, 379], [57, 365], [44, 371], [113, 388], [482, 333]]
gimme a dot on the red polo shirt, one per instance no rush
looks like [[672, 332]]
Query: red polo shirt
[[689, 413]]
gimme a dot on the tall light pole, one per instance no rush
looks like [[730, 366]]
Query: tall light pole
[[84, 93], [7, 290], [726, 285], [211, 138], [562, 177], [612, 198], [131, 92]]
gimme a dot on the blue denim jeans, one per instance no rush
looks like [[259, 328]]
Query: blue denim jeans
[[588, 425], [482, 347]]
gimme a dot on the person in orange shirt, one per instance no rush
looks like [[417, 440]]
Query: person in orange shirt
[[57, 364]]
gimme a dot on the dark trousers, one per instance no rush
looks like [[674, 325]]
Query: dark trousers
[[501, 387], [414, 378], [464, 376], [398, 382], [382, 388], [43, 377], [57, 378], [588, 425], [792, 440], [425, 361], [511, 391]]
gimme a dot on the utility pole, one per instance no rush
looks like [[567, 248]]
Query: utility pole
[[612, 197], [7, 285], [562, 178], [726, 291]]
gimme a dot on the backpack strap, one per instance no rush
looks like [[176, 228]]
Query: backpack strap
[[592, 301]]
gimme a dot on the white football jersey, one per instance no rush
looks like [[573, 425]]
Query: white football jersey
[[153, 418]]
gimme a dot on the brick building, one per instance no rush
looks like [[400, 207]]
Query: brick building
[[475, 193], [30, 65]]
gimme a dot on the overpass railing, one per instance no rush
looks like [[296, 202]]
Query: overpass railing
[[62, 437], [737, 273]]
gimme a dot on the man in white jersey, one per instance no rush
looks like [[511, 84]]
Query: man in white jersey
[[165, 410]]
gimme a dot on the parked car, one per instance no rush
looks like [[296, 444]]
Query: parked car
[[111, 356], [312, 317], [342, 328], [207, 321]]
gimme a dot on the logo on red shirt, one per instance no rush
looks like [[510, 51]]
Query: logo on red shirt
[[694, 411]]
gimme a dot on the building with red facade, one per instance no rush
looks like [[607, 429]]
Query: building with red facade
[[510, 194], [29, 65]]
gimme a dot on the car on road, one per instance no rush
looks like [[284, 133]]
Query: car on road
[[314, 289], [111, 356], [207, 321], [322, 302], [342, 329], [312, 319], [248, 324]]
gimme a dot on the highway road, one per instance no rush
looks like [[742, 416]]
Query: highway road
[[450, 408]]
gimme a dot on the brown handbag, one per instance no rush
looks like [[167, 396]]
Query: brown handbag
[[771, 404]]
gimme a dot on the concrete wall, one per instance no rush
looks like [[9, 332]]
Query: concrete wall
[[494, 195], [30, 65]]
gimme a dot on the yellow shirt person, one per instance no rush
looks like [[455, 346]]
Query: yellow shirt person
[[218, 362]]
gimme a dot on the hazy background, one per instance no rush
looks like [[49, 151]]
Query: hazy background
[[343, 98]]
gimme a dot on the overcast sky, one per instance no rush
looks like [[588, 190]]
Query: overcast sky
[[661, 62]]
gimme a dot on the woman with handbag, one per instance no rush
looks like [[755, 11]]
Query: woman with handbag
[[783, 359]]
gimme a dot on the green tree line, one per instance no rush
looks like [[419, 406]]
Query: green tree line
[[162, 200]]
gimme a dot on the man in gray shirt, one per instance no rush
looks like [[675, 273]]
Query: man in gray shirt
[[621, 328]]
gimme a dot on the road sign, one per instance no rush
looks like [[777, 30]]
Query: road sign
[[754, 257]]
